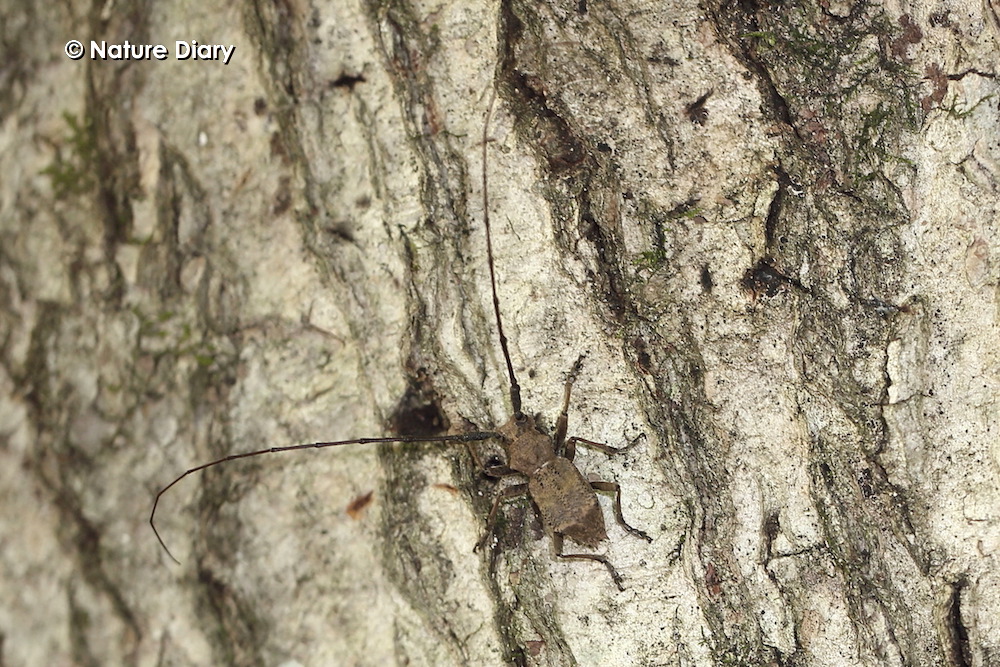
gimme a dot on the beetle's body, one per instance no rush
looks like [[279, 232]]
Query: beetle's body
[[565, 500]]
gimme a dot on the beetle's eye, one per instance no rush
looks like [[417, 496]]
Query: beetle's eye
[[494, 462]]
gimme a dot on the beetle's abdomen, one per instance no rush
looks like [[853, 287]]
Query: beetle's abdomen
[[567, 502]]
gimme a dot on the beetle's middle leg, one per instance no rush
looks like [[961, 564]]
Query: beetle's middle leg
[[506, 494], [599, 446], [557, 542]]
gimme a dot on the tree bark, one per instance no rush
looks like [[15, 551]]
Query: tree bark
[[769, 229]]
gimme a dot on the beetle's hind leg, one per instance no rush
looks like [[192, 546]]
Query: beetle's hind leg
[[615, 488], [557, 542]]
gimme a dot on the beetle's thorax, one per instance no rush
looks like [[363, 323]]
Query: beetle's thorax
[[527, 447]]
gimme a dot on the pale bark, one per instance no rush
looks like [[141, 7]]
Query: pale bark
[[769, 228]]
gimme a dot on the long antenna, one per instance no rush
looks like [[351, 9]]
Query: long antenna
[[515, 388], [465, 437]]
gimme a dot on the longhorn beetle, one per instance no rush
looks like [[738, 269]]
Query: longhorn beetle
[[565, 500]]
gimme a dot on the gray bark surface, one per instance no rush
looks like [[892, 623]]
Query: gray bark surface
[[769, 227]]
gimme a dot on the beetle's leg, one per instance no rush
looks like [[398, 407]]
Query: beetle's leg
[[557, 542], [599, 446], [563, 422], [613, 487], [495, 471], [506, 494]]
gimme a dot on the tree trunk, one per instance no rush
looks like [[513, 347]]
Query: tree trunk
[[769, 229]]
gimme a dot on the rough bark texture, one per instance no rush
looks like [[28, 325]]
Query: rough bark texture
[[770, 227]]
